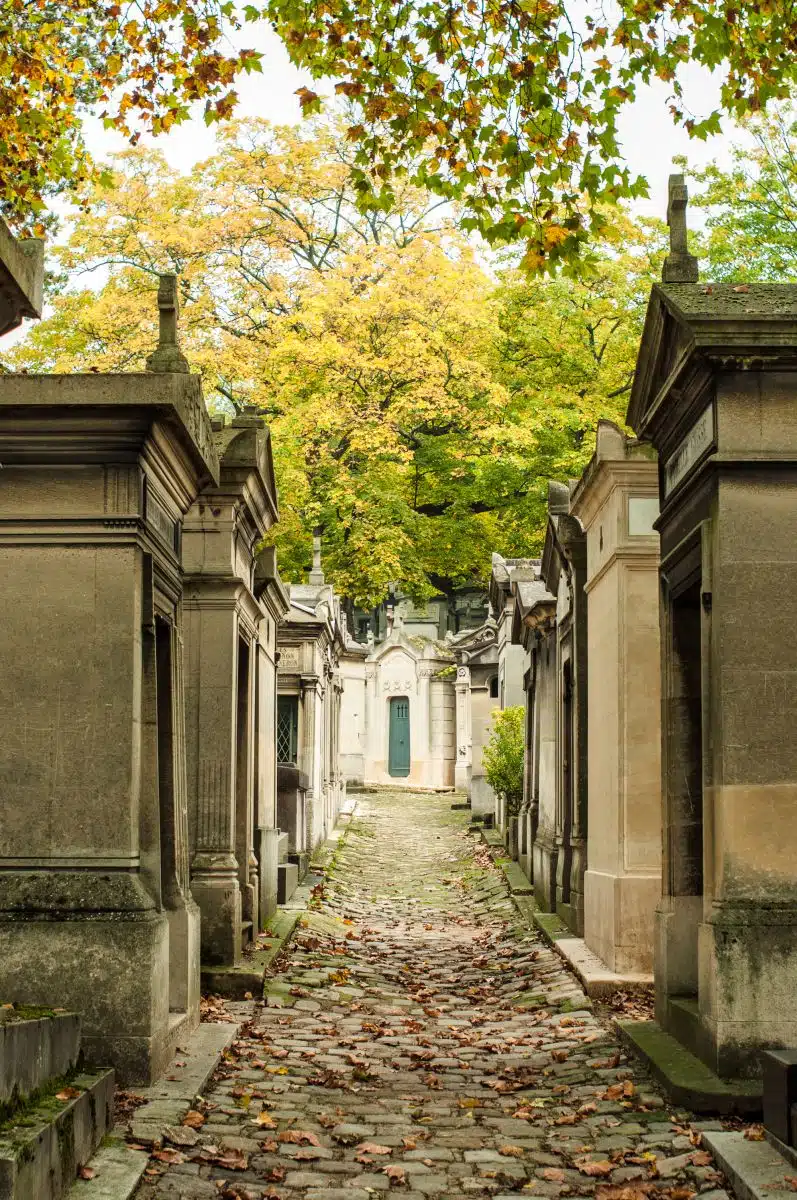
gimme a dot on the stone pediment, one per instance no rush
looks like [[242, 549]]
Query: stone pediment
[[691, 325], [244, 450]]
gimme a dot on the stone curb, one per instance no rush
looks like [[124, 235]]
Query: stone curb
[[594, 976], [686, 1078], [756, 1170], [119, 1167]]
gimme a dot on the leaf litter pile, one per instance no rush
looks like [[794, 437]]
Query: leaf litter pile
[[418, 1038]]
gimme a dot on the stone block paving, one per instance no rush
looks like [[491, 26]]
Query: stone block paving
[[417, 1038]]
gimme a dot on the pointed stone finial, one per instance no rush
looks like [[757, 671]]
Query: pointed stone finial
[[679, 266], [168, 356], [317, 573]]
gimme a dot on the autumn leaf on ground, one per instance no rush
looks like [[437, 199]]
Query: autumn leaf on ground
[[702, 1158], [791, 1182], [395, 1174], [373, 1148], [265, 1120], [298, 1137], [553, 1174], [68, 1093], [85, 1173], [409, 1143], [755, 1133], [587, 1167], [511, 1151], [168, 1156], [193, 1119]]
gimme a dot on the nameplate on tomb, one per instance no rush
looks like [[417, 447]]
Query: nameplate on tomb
[[697, 441], [289, 658]]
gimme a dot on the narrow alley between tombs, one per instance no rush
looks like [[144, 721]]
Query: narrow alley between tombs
[[417, 1037]]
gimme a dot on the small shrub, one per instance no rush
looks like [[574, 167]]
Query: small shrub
[[503, 756]]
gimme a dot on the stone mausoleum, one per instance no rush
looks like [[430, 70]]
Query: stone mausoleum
[[96, 912]]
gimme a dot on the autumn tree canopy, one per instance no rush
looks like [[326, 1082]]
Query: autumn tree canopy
[[508, 107], [419, 398]]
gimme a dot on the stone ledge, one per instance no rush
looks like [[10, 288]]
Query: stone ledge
[[117, 1172], [686, 1078], [492, 838], [174, 1094], [756, 1170], [516, 880], [41, 1152], [598, 980]]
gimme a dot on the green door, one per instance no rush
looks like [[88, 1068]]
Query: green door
[[398, 763]]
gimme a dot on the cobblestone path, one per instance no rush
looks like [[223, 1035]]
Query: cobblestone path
[[418, 1039]]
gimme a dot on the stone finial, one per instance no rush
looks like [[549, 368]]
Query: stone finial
[[317, 573], [168, 356], [679, 266]]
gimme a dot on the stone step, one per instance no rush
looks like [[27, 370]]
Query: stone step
[[36, 1045], [114, 1173], [42, 1149]]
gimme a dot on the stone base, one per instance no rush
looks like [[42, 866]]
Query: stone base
[[267, 843], [618, 919], [218, 895], [482, 796], [95, 944], [287, 881], [747, 964], [675, 925], [544, 856]]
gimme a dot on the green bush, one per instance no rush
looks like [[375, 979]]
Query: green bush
[[503, 756]]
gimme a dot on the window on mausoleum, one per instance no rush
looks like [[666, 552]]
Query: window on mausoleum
[[287, 729]]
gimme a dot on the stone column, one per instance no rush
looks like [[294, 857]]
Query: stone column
[[617, 502], [231, 602], [464, 736]]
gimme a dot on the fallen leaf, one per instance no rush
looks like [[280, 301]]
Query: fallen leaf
[[373, 1148], [265, 1120], [553, 1174], [395, 1173], [68, 1093], [194, 1119], [702, 1158], [85, 1173], [511, 1151], [755, 1133], [168, 1156], [587, 1167], [298, 1137], [741, 287]]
